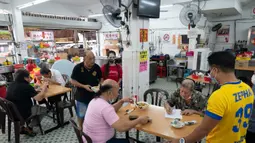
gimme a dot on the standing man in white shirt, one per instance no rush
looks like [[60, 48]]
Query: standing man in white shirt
[[53, 76]]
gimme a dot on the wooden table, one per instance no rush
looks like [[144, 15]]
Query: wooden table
[[200, 79], [160, 126], [55, 90]]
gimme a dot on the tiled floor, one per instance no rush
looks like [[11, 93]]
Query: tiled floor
[[67, 135]]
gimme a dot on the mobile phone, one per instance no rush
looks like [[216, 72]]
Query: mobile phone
[[189, 123]]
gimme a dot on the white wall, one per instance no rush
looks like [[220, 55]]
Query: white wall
[[168, 23], [239, 23]]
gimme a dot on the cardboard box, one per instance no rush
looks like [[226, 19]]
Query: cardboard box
[[242, 64], [62, 55], [73, 51]]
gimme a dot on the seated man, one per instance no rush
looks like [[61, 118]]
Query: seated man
[[52, 76], [101, 118], [187, 99]]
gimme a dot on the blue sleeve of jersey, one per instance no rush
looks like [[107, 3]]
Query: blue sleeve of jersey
[[213, 115]]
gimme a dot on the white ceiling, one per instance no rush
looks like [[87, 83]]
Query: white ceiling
[[78, 2]]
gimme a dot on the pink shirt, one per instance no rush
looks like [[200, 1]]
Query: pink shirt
[[99, 117]]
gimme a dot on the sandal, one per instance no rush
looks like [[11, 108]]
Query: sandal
[[28, 132]]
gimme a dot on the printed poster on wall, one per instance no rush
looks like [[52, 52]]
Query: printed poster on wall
[[143, 35], [223, 34], [111, 36], [143, 61], [42, 35]]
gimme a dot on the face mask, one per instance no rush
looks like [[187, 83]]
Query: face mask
[[111, 61], [213, 78]]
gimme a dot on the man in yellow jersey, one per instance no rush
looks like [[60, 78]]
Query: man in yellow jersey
[[229, 108]]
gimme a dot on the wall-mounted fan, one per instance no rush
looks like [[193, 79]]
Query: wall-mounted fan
[[120, 4], [112, 11], [217, 27], [189, 15], [112, 15]]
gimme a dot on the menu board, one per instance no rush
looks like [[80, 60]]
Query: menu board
[[42, 35]]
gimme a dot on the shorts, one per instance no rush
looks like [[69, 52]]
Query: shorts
[[81, 109]]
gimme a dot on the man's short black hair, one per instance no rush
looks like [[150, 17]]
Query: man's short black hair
[[223, 60], [44, 71]]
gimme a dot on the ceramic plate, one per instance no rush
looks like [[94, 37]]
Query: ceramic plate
[[95, 89], [177, 125]]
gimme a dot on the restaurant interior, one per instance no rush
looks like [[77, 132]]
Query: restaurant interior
[[156, 49]]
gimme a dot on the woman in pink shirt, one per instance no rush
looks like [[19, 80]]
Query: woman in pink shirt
[[101, 118]]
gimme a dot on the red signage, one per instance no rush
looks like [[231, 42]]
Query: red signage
[[253, 11], [143, 35]]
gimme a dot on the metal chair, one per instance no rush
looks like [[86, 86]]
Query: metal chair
[[156, 95], [79, 133]]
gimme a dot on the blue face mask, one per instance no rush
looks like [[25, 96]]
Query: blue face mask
[[213, 79]]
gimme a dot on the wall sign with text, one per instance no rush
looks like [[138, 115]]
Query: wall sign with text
[[41, 35], [143, 61], [143, 35]]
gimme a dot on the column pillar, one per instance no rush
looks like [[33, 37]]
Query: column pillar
[[192, 35], [135, 67], [18, 29]]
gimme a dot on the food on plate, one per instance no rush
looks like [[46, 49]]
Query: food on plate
[[95, 88], [142, 105], [176, 123]]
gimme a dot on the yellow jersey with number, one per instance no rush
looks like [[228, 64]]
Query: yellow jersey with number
[[232, 105]]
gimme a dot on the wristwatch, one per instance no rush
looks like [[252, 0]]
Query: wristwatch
[[182, 140]]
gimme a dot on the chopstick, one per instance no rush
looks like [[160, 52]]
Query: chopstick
[[130, 111]]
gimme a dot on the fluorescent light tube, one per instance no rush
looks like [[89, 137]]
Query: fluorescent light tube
[[95, 15], [39, 1], [31, 4], [166, 6]]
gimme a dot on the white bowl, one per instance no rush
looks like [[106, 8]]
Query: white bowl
[[145, 105], [177, 125]]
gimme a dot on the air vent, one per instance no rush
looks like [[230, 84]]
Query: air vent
[[51, 16]]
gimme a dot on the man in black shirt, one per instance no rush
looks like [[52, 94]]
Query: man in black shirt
[[85, 75]]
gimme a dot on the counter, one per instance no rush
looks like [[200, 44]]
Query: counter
[[6, 69], [245, 68]]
